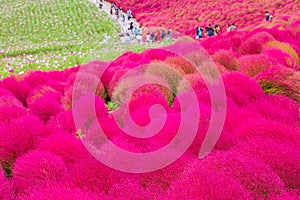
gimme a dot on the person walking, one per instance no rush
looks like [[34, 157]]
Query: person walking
[[163, 35], [148, 37], [170, 35], [199, 33], [129, 14], [152, 37], [233, 27], [130, 26], [158, 36], [210, 30], [217, 29]]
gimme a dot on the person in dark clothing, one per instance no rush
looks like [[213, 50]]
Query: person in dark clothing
[[210, 30], [163, 35], [131, 26], [267, 16]]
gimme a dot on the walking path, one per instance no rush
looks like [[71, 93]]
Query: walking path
[[123, 25]]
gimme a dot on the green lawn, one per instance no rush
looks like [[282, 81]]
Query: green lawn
[[54, 34]]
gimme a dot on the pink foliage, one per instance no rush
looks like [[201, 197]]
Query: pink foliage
[[20, 136], [62, 122], [9, 100], [227, 59], [241, 88], [280, 80], [59, 191], [202, 182], [281, 57], [9, 113], [283, 159], [254, 44], [19, 88], [46, 106], [35, 168], [92, 175], [5, 187], [251, 65], [254, 175], [64, 145], [270, 107], [37, 78]]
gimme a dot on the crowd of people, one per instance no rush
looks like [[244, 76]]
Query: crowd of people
[[212, 31], [135, 32]]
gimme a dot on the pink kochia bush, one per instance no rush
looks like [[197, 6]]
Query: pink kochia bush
[[35, 168], [202, 182], [18, 137], [253, 174], [5, 187], [59, 191], [283, 159], [49, 121]]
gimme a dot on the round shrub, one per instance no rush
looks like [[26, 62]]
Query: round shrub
[[283, 159], [18, 137], [201, 182], [35, 168], [241, 88], [254, 175], [255, 43], [46, 106], [227, 59], [64, 145], [251, 65], [59, 191]]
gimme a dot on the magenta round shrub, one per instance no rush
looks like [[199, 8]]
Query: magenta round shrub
[[269, 129], [20, 136], [254, 175], [65, 145], [59, 191], [201, 182], [241, 88], [5, 187], [159, 181], [157, 54], [9, 113], [20, 89], [84, 114], [35, 168], [91, 174], [277, 107], [9, 100], [38, 92], [58, 86], [219, 44], [131, 189], [227, 59], [234, 117], [254, 44], [251, 65], [46, 106], [85, 83], [5, 92], [63, 122], [280, 57], [37, 78], [280, 80], [283, 159]]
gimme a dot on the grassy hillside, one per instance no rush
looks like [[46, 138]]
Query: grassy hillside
[[49, 34]]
